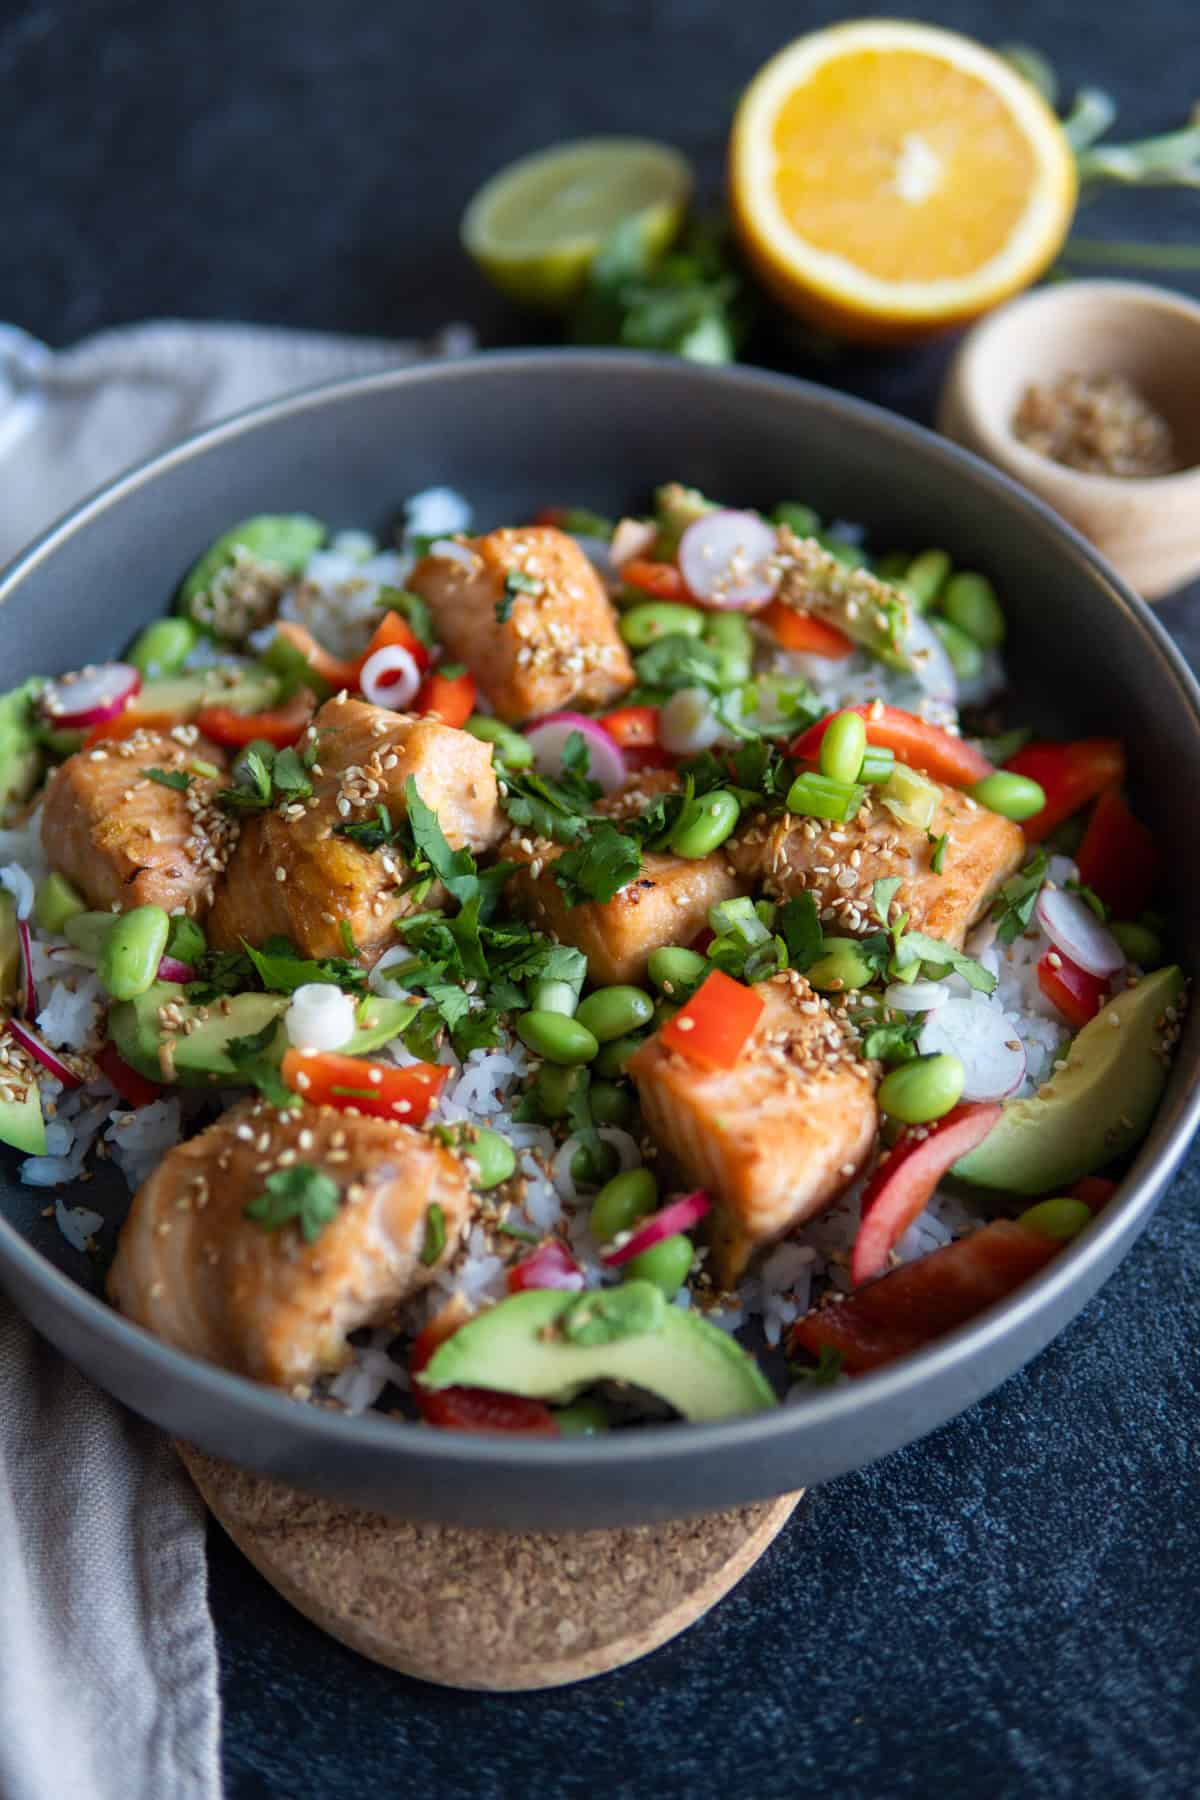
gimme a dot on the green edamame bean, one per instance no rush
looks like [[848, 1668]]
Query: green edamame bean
[[164, 647], [89, 930], [676, 971], [593, 1163], [55, 903], [554, 1088], [1140, 944], [840, 967], [185, 940], [1014, 797], [621, 1202], [729, 638], [1058, 1218], [966, 656], [586, 1418], [557, 1038], [851, 556], [666, 1264], [288, 539], [705, 823], [924, 1089], [800, 519], [893, 565], [664, 1010], [924, 577], [610, 1063], [508, 745], [129, 958], [493, 1157], [553, 996], [969, 601], [653, 619], [614, 1012], [610, 1103], [843, 747]]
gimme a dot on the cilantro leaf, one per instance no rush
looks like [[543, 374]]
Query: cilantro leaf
[[675, 662], [221, 972], [412, 610], [281, 971], [892, 1039], [515, 582], [916, 947], [600, 866], [1091, 899], [290, 776], [799, 924], [251, 1058], [823, 1373], [423, 1037], [170, 778], [252, 790], [1013, 906], [302, 1193], [882, 894]]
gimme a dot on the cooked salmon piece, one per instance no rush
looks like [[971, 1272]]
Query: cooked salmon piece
[[196, 1270], [776, 1138], [123, 838], [295, 875], [528, 614], [838, 864]]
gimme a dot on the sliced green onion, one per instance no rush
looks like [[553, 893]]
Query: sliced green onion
[[737, 918], [911, 797], [815, 796], [877, 763]]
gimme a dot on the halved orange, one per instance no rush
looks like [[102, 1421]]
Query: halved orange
[[889, 179]]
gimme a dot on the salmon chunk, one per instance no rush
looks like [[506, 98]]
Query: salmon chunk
[[774, 1139], [195, 1269], [296, 875], [838, 864], [528, 614], [125, 838]]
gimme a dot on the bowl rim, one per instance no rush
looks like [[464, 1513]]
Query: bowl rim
[[327, 1432]]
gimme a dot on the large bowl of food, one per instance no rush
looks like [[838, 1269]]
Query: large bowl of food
[[581, 939]]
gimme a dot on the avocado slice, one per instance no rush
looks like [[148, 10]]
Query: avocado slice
[[241, 688], [379, 1021], [1095, 1109], [20, 752], [873, 613], [285, 539], [22, 1124], [533, 1344], [676, 507], [10, 952]]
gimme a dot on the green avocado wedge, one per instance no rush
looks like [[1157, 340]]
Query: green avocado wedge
[[1096, 1108], [540, 1344], [22, 1124], [20, 750], [237, 686], [285, 539], [10, 953]]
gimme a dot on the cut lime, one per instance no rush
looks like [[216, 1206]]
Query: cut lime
[[534, 227]]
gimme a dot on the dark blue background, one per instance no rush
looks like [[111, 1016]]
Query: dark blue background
[[1007, 1608]]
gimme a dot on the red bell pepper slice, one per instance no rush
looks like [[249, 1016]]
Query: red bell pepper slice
[[551, 1265], [282, 728], [132, 1087], [717, 1022], [926, 1299], [327, 1078], [1094, 1190], [471, 1409], [662, 580], [1077, 995], [1069, 775], [451, 697], [632, 727], [805, 633], [912, 740], [336, 671], [900, 1188], [392, 631], [1118, 858]]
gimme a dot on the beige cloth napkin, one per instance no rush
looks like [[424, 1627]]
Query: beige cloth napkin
[[108, 1669]]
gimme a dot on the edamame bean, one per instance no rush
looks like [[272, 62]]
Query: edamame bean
[[129, 958], [493, 1157], [798, 518], [966, 656], [613, 1012], [664, 1010], [553, 996], [729, 638], [554, 1088], [593, 1163], [676, 971], [840, 967], [893, 565], [1014, 797], [509, 746], [621, 1202], [666, 1264], [610, 1103], [969, 601], [1058, 1218], [613, 1056], [89, 930], [1140, 944], [924, 1089], [705, 822], [843, 747], [557, 1038], [654, 619], [164, 647], [924, 577], [185, 940], [56, 902]]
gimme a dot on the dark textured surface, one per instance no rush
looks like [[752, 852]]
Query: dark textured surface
[[1008, 1607]]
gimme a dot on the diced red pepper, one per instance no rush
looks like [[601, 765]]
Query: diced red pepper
[[1094, 1190], [1118, 858], [805, 633], [336, 671], [551, 1265], [718, 1021], [632, 727], [136, 1089], [327, 1078], [451, 697], [1077, 995], [923, 1300], [134, 718], [1070, 775], [392, 631], [662, 580], [912, 740], [900, 1188], [471, 1409], [282, 728]]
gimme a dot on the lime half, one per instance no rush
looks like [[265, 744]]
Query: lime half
[[534, 228]]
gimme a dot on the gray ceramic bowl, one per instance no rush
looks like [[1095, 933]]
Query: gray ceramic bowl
[[515, 432]]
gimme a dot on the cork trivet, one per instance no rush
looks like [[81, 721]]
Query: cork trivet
[[479, 1609]]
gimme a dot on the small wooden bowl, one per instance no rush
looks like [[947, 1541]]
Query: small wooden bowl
[[1149, 529]]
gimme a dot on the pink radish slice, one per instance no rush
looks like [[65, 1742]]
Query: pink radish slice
[[725, 560], [49, 1059], [548, 739], [91, 697], [1073, 928], [31, 1008], [632, 537], [171, 969], [678, 1215], [992, 1056], [390, 677]]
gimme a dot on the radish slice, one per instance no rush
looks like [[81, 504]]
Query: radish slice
[[932, 668], [687, 722], [632, 537], [551, 1265], [29, 1040], [390, 677], [917, 996], [548, 739], [992, 1055], [171, 969], [91, 697], [725, 559], [678, 1215], [31, 1008], [1073, 928]]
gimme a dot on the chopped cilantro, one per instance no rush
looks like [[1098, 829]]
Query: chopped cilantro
[[1090, 898], [290, 776], [251, 791], [599, 866], [451, 671], [882, 895], [435, 1235], [412, 610], [281, 971], [170, 778], [1013, 906], [675, 662], [347, 937], [823, 1373], [515, 582], [891, 1039], [799, 924], [301, 1193], [916, 947]]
